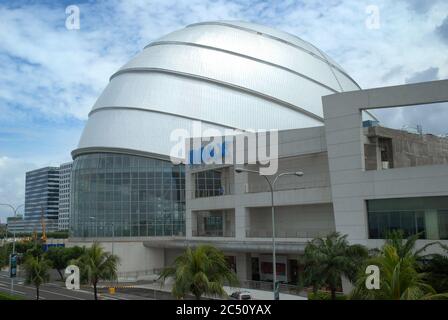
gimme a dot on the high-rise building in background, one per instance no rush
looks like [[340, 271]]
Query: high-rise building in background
[[47, 200], [42, 199], [65, 171]]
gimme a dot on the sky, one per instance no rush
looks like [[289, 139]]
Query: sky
[[51, 75]]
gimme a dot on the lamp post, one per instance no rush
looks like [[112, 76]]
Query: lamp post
[[272, 188], [14, 209]]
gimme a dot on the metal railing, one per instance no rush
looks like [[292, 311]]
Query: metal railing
[[268, 286], [317, 181], [217, 233], [266, 233], [206, 193], [138, 273]]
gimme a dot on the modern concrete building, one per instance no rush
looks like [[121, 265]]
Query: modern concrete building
[[229, 75], [218, 74], [65, 171], [15, 224], [233, 210]]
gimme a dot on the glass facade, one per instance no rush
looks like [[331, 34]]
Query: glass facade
[[126, 196], [42, 198], [425, 215], [214, 223], [213, 183]]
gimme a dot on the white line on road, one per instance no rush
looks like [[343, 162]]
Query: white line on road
[[62, 295], [16, 291]]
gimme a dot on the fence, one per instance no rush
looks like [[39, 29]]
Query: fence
[[307, 234], [268, 286]]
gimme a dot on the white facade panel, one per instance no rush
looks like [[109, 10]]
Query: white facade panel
[[228, 74], [230, 40], [237, 71]]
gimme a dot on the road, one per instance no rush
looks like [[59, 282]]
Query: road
[[57, 291]]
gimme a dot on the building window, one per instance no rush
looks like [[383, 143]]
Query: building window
[[215, 223], [426, 216], [213, 183], [127, 196]]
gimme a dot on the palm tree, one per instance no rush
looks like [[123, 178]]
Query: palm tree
[[199, 271], [327, 259], [435, 267], [406, 246], [36, 272], [399, 279], [97, 265]]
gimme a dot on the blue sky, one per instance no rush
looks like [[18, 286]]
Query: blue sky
[[50, 76]]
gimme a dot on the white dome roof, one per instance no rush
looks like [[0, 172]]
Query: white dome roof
[[225, 74]]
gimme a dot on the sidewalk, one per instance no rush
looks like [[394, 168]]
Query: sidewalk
[[256, 294]]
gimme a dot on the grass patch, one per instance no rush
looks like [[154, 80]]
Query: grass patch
[[7, 296]]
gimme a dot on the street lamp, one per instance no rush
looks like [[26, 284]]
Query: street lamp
[[271, 187], [14, 209]]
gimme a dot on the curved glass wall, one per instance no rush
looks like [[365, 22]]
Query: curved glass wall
[[126, 196]]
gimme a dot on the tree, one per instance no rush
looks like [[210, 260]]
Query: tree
[[35, 251], [405, 247], [399, 279], [199, 271], [400, 267], [98, 265], [36, 272], [327, 259], [435, 268], [58, 258]]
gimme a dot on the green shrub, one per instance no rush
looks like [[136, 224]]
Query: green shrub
[[324, 295]]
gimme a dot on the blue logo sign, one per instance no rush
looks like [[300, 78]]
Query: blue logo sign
[[212, 152]]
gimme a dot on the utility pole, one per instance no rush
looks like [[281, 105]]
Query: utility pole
[[272, 189]]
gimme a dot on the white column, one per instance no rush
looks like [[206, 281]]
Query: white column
[[432, 224]]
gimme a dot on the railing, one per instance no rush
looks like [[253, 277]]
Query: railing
[[135, 275], [268, 286], [218, 233], [317, 181], [265, 233], [226, 190]]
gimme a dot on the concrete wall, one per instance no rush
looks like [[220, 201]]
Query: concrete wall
[[133, 255], [351, 185], [315, 165], [171, 255], [293, 221], [408, 149]]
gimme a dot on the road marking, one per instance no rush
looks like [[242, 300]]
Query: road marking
[[51, 292], [62, 295], [16, 291]]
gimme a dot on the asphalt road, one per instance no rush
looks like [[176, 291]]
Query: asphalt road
[[57, 291]]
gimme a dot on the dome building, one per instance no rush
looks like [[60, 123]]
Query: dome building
[[227, 75], [339, 174]]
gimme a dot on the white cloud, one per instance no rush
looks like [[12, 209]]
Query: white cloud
[[12, 186]]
